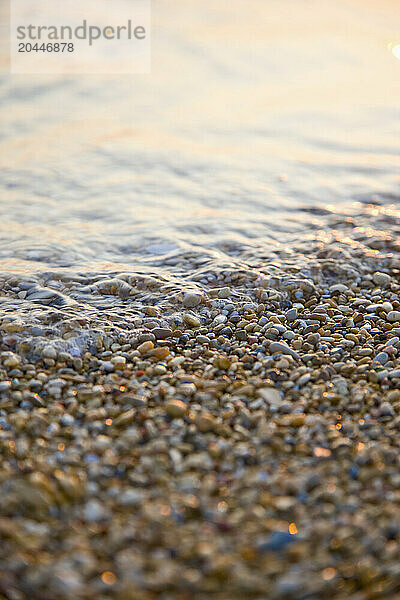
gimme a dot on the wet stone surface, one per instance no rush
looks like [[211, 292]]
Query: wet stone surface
[[160, 442]]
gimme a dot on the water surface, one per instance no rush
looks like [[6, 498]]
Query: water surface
[[262, 124]]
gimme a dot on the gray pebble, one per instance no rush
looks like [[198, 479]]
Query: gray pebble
[[131, 497], [162, 333], [190, 300], [279, 328], [289, 335], [276, 347], [393, 341], [224, 292], [241, 334], [303, 379], [393, 316], [338, 288], [94, 511], [386, 410], [381, 279], [203, 339], [291, 315], [382, 358], [107, 366]]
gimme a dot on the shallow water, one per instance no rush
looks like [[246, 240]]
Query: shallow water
[[263, 126]]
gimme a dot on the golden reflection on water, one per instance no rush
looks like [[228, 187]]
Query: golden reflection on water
[[395, 49], [252, 88]]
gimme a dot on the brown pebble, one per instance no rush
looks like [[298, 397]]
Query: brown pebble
[[160, 353], [293, 420], [205, 423], [176, 408], [145, 347]]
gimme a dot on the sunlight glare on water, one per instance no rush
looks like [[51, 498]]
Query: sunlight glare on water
[[395, 50], [256, 117]]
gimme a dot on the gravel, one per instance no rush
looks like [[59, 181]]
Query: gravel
[[173, 445]]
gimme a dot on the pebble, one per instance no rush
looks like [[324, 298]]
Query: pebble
[[191, 300], [277, 541], [162, 333], [12, 360], [205, 423], [339, 288], [191, 320], [271, 396], [131, 497], [291, 314], [382, 358], [145, 347], [224, 293], [293, 420], [381, 279], [386, 410], [393, 316], [176, 408], [49, 352], [126, 418], [304, 379], [119, 362], [95, 511], [289, 335], [276, 347], [203, 339], [387, 306]]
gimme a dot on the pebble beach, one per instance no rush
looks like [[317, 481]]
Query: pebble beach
[[239, 439]]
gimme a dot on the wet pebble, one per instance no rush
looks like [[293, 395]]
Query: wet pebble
[[191, 300]]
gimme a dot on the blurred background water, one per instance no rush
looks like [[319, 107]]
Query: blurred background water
[[261, 123]]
